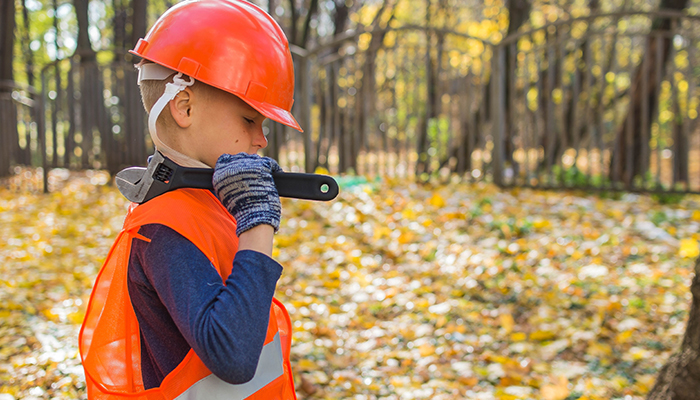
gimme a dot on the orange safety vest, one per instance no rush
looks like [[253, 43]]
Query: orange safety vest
[[110, 340]]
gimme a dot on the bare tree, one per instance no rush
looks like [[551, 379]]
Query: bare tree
[[91, 97], [8, 125], [518, 14], [7, 38], [26, 42], [23, 156], [129, 24], [628, 160], [331, 112], [432, 73]]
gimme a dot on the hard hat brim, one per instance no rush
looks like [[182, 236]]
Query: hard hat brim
[[274, 113]]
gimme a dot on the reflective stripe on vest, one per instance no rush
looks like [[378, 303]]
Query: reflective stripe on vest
[[269, 368]]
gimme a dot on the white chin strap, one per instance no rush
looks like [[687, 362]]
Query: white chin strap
[[158, 72]]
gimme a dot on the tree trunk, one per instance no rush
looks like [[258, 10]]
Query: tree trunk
[[306, 33], [91, 98], [8, 115], [337, 115], [518, 14], [679, 378], [28, 53], [133, 138], [7, 39], [138, 20], [423, 142], [119, 30], [24, 155], [366, 92], [84, 47], [574, 130], [294, 19], [59, 92]]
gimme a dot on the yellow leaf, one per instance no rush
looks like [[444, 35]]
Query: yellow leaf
[[541, 223], [331, 284], [689, 248], [506, 231], [406, 237], [645, 382], [696, 215], [76, 317], [558, 390], [306, 364], [399, 381], [468, 381], [518, 337], [408, 214], [426, 350], [321, 170], [542, 335], [510, 380], [597, 349], [624, 336], [638, 353], [619, 382], [381, 232], [507, 322], [437, 201]]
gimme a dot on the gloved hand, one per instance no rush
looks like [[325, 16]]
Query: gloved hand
[[244, 184]]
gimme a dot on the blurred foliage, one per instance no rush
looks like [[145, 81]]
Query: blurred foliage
[[486, 20], [388, 112], [395, 290]]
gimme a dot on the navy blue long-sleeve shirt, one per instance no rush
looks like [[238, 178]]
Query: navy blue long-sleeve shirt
[[181, 303]]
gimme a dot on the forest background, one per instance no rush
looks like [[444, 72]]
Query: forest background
[[435, 274]]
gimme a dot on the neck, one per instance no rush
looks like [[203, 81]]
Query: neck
[[176, 156]]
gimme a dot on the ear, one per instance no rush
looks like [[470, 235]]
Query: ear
[[181, 108]]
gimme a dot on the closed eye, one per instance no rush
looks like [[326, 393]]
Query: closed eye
[[248, 120]]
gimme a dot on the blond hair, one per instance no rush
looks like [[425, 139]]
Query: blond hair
[[151, 90]]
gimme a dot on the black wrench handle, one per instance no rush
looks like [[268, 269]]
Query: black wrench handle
[[294, 185], [304, 186]]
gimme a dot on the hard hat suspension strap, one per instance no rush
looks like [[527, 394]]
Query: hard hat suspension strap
[[171, 90]]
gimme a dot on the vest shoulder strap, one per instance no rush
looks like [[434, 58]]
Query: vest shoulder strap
[[197, 215]]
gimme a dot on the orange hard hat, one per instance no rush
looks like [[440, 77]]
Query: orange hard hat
[[232, 45]]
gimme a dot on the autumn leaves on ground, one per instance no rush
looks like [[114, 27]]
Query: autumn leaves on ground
[[396, 290]]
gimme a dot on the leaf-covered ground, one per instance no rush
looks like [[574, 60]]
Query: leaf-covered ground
[[396, 290]]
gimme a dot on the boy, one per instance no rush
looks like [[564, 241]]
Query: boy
[[183, 307]]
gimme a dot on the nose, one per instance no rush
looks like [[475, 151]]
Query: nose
[[259, 140]]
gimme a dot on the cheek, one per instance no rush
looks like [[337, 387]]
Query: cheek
[[237, 140]]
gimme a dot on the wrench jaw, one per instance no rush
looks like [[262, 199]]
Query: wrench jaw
[[137, 183]]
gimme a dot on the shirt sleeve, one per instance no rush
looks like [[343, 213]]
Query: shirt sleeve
[[226, 325]]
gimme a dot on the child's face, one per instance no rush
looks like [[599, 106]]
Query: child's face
[[228, 125]]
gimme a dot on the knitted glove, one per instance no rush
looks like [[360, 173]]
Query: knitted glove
[[244, 184]]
